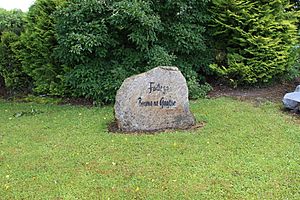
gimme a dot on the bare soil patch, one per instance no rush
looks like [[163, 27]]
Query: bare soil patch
[[273, 93]]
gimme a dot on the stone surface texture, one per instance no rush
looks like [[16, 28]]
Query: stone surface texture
[[292, 99], [154, 100]]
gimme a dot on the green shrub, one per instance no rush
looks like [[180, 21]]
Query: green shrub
[[95, 83], [257, 39], [197, 91], [11, 26], [10, 67], [37, 51], [11, 20], [104, 42]]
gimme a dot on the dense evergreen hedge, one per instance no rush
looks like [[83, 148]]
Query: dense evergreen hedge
[[87, 48], [11, 27], [256, 40], [38, 44]]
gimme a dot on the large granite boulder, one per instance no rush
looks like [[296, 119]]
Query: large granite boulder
[[292, 99], [155, 100]]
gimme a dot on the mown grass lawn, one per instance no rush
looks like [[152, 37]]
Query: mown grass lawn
[[66, 152]]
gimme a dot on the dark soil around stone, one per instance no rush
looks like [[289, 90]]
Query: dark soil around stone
[[113, 128]]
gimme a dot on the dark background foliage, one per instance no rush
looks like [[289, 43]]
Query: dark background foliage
[[36, 54], [112, 40], [11, 26], [87, 48]]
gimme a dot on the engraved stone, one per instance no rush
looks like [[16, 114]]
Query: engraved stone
[[154, 100]]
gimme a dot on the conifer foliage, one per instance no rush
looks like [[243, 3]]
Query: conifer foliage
[[255, 40], [11, 73], [38, 42]]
